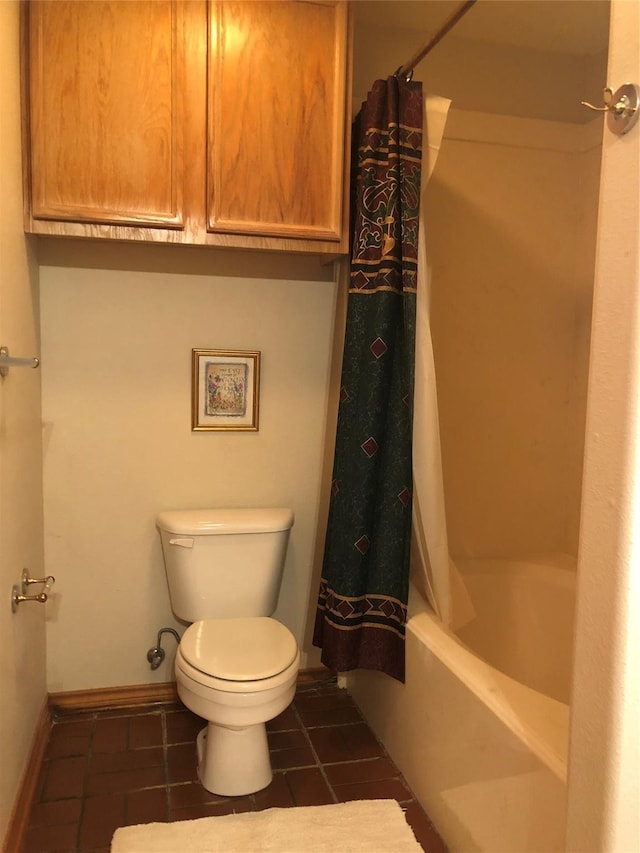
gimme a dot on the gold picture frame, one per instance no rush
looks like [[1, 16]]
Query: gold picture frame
[[225, 390]]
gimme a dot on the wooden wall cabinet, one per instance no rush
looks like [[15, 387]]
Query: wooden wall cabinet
[[209, 123]]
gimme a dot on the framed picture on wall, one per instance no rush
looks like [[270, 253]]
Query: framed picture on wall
[[225, 390]]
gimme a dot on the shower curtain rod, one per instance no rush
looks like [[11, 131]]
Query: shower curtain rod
[[450, 22]]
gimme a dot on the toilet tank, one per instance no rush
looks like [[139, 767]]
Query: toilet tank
[[224, 563]]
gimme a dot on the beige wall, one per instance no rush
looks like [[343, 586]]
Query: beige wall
[[604, 783], [22, 635], [118, 445]]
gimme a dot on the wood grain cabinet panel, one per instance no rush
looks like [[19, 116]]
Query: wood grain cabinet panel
[[220, 123], [276, 117], [106, 111]]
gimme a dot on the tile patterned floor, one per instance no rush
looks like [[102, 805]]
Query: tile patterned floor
[[116, 768]]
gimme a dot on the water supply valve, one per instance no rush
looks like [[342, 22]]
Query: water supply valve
[[156, 655], [17, 597]]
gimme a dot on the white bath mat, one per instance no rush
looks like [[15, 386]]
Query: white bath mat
[[362, 826]]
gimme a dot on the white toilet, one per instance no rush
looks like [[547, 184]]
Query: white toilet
[[236, 667]]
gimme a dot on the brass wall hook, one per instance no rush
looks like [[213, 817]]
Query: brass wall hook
[[19, 593], [621, 107]]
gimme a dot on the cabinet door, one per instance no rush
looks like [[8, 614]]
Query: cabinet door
[[105, 111], [276, 118]]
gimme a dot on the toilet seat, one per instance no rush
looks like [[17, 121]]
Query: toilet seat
[[238, 655], [203, 684]]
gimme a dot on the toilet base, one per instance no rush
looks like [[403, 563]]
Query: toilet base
[[233, 761]]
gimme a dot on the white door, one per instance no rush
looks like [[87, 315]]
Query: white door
[[604, 759]]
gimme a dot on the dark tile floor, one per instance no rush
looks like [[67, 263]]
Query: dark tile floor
[[116, 768]]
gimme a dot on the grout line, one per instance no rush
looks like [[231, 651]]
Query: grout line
[[165, 757], [83, 795], [314, 753]]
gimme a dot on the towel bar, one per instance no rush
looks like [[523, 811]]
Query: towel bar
[[7, 361]]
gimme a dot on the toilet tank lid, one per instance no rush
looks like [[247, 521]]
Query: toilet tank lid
[[207, 522]]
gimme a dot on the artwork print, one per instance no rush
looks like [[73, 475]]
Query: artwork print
[[225, 390], [226, 386]]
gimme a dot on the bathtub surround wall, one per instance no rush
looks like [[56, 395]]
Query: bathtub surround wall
[[22, 635], [511, 213], [510, 325], [507, 631], [116, 373]]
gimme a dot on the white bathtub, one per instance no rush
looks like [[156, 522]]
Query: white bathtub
[[485, 754]]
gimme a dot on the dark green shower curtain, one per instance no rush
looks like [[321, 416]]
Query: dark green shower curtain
[[362, 602]]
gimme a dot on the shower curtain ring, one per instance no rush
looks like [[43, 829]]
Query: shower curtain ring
[[407, 77]]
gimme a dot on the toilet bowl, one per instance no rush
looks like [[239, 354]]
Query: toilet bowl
[[236, 666], [237, 674]]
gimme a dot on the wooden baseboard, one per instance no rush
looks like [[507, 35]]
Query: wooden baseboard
[[14, 837], [101, 699], [104, 698]]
